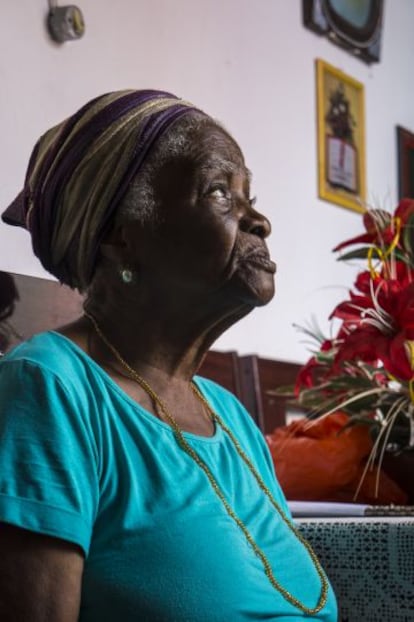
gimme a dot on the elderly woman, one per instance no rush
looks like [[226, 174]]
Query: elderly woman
[[132, 489]]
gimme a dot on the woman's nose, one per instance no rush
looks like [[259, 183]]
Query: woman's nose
[[254, 222]]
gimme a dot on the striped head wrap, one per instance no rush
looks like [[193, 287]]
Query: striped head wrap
[[80, 170]]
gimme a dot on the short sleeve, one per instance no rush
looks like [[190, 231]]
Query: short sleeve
[[48, 459]]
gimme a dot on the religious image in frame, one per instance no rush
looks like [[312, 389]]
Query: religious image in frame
[[341, 138]]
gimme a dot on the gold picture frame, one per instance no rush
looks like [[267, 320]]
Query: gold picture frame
[[341, 137]]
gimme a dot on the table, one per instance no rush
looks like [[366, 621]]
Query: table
[[370, 563]]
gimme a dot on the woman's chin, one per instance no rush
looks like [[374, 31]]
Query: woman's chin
[[264, 297], [256, 292]]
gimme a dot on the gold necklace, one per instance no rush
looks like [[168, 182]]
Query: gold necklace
[[204, 467]]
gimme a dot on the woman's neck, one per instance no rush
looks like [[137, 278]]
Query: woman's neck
[[169, 341]]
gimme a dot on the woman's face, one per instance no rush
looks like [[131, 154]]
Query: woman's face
[[210, 239]]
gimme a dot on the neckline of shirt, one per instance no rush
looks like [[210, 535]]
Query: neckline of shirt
[[218, 432]]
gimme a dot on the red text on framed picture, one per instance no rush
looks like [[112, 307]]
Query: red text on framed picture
[[341, 137], [405, 147]]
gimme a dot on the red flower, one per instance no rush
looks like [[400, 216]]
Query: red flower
[[405, 210], [312, 369], [378, 325], [380, 226], [356, 371], [376, 223], [305, 377]]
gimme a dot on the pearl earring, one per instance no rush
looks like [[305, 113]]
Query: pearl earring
[[126, 276]]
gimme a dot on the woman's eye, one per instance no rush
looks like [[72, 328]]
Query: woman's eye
[[219, 193]]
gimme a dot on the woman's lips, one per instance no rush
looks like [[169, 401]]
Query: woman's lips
[[261, 260]]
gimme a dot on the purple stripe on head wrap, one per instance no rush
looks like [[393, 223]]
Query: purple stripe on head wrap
[[51, 154], [45, 196]]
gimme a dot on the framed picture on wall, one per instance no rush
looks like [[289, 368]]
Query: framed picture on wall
[[341, 137], [405, 147]]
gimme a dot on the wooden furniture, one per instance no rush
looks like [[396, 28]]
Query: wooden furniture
[[224, 368], [261, 376], [45, 304]]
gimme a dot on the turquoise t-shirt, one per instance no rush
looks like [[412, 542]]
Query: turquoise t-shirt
[[81, 461]]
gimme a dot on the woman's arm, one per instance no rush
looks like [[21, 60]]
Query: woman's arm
[[40, 577]]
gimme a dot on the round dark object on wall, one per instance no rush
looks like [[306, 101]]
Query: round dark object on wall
[[65, 23]]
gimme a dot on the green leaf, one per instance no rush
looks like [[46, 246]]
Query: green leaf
[[360, 420], [362, 253], [284, 391], [352, 384], [358, 253], [325, 357]]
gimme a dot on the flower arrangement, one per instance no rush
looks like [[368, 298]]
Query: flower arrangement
[[367, 369]]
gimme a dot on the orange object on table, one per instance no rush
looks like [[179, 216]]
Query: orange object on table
[[323, 460]]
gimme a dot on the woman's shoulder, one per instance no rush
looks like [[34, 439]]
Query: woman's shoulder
[[49, 378], [216, 393], [227, 405], [52, 353]]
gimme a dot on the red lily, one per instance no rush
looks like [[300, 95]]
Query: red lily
[[308, 373], [404, 210], [380, 225], [378, 327], [376, 222]]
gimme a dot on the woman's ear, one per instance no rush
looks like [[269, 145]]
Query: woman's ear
[[114, 246], [125, 244]]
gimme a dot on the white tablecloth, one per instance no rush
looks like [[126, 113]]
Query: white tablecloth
[[370, 563]]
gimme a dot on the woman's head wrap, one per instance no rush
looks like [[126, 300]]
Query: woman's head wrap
[[80, 170]]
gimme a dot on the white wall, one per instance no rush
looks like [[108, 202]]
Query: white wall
[[250, 63]]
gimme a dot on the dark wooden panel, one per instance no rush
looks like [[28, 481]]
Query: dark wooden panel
[[223, 368], [237, 375], [259, 376]]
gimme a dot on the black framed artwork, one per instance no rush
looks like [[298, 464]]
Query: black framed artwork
[[405, 149], [355, 26]]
